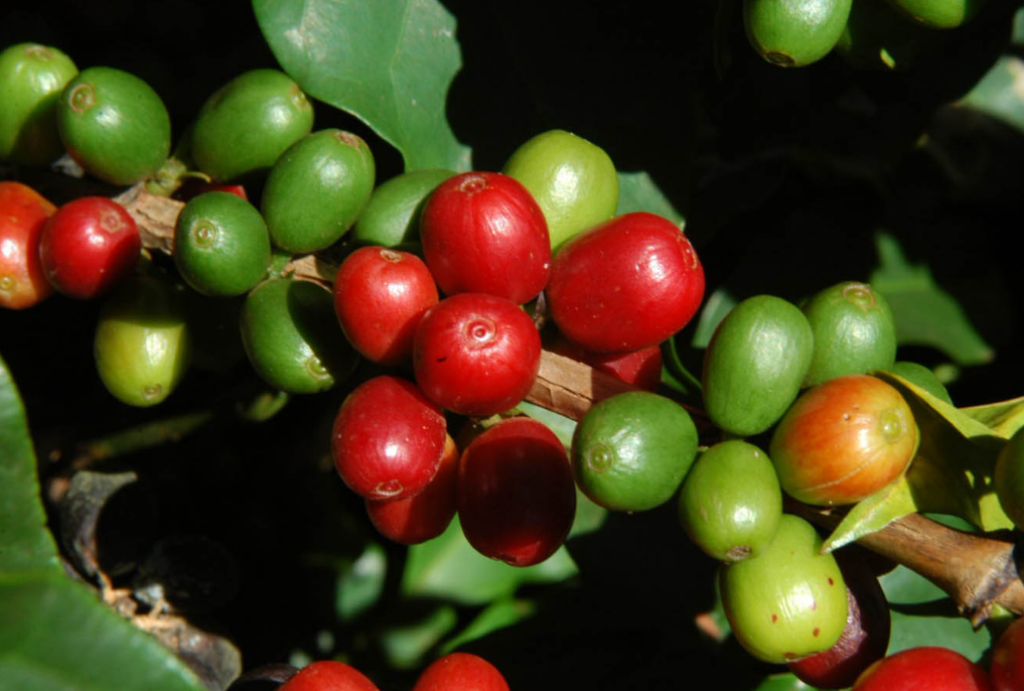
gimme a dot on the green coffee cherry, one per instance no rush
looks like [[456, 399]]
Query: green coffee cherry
[[754, 364], [789, 601], [392, 216], [316, 190], [32, 77], [114, 125], [631, 451], [291, 336], [142, 344], [794, 33], [246, 124], [573, 181], [221, 245], [854, 332], [731, 502], [940, 14]]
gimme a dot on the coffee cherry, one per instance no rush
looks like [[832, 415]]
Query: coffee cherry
[[292, 338], [88, 246], [142, 345], [23, 211], [730, 504], [843, 441], [789, 601], [854, 332], [476, 354], [245, 125], [388, 439], [626, 284], [114, 125], [413, 520], [482, 232], [516, 497], [328, 675], [461, 672], [631, 451], [316, 190], [221, 245], [380, 296], [754, 364], [32, 77]]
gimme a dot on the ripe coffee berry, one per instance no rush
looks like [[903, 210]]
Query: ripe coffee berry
[[626, 284], [461, 672], [483, 232], [516, 495], [89, 245], [328, 675], [380, 295], [476, 354], [388, 439]]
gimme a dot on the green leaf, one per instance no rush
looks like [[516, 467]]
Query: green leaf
[[717, 305], [25, 543], [922, 614], [448, 567], [1000, 93], [872, 514], [56, 636], [925, 314], [361, 586], [952, 471], [497, 615], [637, 192], [389, 63], [406, 644], [1003, 418]]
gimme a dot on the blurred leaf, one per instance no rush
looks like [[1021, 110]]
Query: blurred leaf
[[952, 472], [925, 314], [56, 636], [448, 568], [360, 586], [405, 645], [563, 427], [637, 192], [675, 374], [922, 614], [1000, 93], [872, 514], [497, 615], [389, 63], [718, 304], [25, 543], [1003, 418]]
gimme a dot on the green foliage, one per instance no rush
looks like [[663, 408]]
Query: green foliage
[[57, 636], [389, 63]]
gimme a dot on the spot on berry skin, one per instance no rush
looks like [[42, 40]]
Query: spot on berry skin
[[388, 488], [816, 631], [830, 581], [814, 605], [775, 617], [473, 184]]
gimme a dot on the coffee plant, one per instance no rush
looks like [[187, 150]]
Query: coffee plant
[[439, 344]]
